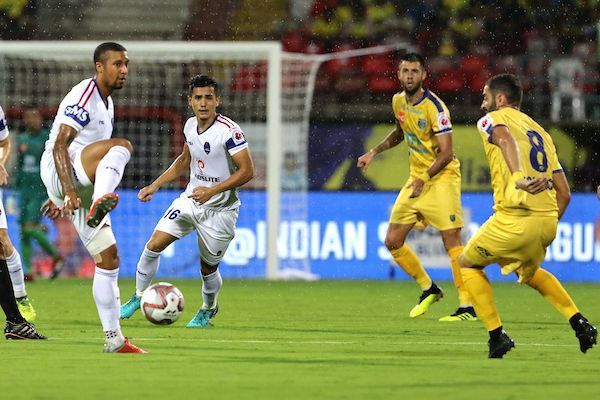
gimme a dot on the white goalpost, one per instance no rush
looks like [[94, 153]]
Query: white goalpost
[[267, 91]]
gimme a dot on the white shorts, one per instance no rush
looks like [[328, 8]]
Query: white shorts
[[3, 222], [215, 228], [85, 192]]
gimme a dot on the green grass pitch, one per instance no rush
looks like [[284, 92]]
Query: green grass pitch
[[303, 340]]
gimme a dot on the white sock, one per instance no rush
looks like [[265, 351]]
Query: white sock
[[110, 171], [107, 298], [17, 276], [146, 269], [211, 284]]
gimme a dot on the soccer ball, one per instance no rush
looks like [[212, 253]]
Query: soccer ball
[[162, 303]]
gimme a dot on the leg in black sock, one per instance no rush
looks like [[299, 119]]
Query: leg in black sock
[[7, 296]]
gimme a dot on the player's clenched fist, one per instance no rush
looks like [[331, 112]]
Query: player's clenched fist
[[50, 210], [364, 160], [201, 194], [71, 203], [145, 193]]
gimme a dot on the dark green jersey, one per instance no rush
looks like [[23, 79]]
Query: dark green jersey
[[29, 149]]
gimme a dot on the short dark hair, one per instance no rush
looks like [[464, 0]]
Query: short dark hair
[[99, 53], [203, 81], [413, 57], [509, 85]]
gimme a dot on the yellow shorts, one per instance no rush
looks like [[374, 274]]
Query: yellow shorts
[[438, 205], [518, 244]]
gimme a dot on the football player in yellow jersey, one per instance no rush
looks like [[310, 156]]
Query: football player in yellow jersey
[[531, 193], [432, 193]]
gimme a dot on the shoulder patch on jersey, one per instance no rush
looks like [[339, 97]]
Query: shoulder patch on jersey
[[485, 123], [238, 136], [78, 113], [443, 121]]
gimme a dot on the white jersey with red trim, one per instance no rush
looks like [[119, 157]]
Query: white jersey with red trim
[[3, 125], [84, 110], [211, 152]]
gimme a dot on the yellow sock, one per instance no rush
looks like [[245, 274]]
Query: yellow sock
[[481, 296], [552, 290], [463, 293], [410, 263]]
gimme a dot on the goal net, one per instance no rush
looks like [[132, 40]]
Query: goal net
[[266, 91]]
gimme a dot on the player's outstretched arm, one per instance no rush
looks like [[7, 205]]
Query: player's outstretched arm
[[393, 139], [563, 192], [66, 134], [243, 174], [4, 153], [175, 170]]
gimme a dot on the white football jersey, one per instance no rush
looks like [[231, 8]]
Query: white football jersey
[[3, 126], [84, 109], [211, 152]]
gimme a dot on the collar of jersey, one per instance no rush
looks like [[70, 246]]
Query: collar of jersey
[[425, 95], [198, 126]]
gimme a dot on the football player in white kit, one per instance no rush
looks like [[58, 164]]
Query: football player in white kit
[[81, 168], [12, 280], [217, 155]]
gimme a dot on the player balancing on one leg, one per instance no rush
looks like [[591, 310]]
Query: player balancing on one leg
[[432, 192], [81, 168], [531, 194], [219, 161]]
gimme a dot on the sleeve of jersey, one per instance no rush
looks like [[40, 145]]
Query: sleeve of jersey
[[76, 113], [485, 125], [441, 124], [236, 141], [3, 126]]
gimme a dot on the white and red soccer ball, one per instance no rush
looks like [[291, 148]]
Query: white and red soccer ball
[[162, 303]]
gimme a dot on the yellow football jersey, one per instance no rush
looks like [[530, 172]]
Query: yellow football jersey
[[421, 123], [538, 158]]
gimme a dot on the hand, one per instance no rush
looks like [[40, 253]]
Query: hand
[[201, 194], [145, 193], [364, 160], [598, 191], [3, 175], [534, 186], [50, 210], [71, 203], [417, 185]]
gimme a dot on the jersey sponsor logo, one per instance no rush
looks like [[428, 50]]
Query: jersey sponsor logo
[[422, 123], [207, 147], [401, 116], [79, 114], [211, 179], [443, 120], [201, 167]]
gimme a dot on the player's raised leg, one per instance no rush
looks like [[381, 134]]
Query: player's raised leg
[[103, 163], [146, 270], [406, 259], [454, 247]]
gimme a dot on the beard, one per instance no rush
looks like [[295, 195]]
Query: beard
[[415, 89]]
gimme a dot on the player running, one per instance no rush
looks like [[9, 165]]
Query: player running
[[219, 161], [432, 193], [81, 168], [531, 194]]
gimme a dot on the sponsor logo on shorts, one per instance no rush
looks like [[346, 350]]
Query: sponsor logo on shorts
[[452, 217], [483, 252], [219, 252]]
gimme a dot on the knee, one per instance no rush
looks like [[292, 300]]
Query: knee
[[124, 143], [393, 243]]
